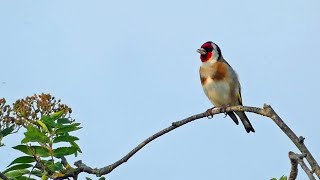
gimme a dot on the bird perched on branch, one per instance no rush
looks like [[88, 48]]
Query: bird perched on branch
[[220, 82]]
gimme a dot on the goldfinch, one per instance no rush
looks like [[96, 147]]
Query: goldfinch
[[220, 82]]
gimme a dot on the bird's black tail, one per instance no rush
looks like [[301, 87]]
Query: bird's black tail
[[233, 117], [245, 121]]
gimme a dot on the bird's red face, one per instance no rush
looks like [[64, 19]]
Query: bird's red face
[[206, 51]]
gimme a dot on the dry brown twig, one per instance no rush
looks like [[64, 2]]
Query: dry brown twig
[[267, 111]]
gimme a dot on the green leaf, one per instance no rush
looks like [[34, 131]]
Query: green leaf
[[73, 144], [44, 127], [48, 121], [22, 159], [102, 178], [64, 151], [57, 115], [23, 148], [37, 173], [65, 138], [44, 177], [68, 128], [58, 166], [7, 130], [49, 164], [17, 173], [62, 121], [87, 178], [33, 134], [17, 167], [33, 150], [23, 178], [283, 178], [41, 151]]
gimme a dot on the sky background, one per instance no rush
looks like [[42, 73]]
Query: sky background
[[130, 68]]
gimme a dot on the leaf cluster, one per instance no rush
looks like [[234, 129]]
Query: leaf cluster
[[47, 140]]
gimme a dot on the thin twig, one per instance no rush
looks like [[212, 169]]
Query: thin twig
[[265, 111]]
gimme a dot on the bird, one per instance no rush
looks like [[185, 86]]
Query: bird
[[220, 82]]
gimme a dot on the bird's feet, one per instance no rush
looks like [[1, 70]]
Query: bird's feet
[[222, 110], [209, 113]]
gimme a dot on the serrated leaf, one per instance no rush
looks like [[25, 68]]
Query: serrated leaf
[[73, 144], [7, 131], [62, 121], [16, 173], [68, 128], [33, 134], [57, 115], [17, 167], [65, 138], [22, 159], [64, 151]]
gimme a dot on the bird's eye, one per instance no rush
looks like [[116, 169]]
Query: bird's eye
[[208, 49]]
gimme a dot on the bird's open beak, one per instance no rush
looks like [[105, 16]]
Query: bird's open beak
[[202, 51]]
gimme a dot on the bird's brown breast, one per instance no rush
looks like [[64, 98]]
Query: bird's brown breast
[[215, 72]]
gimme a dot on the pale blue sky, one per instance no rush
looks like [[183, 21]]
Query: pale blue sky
[[130, 68]]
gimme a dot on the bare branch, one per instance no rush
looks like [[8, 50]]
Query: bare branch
[[295, 160], [265, 111]]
